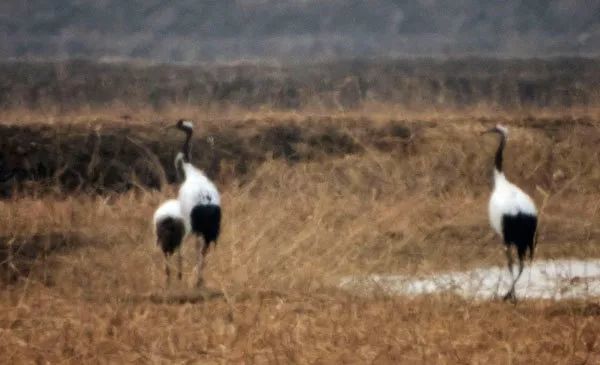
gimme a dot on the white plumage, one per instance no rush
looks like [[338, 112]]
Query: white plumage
[[169, 209], [197, 189], [507, 199]]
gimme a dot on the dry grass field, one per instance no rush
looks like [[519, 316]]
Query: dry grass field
[[83, 279]]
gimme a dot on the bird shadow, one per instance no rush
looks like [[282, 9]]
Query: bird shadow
[[23, 255], [197, 295]]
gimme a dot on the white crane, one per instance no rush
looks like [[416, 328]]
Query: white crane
[[512, 214], [199, 200], [170, 229]]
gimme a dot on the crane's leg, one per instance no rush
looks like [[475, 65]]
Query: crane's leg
[[509, 258], [205, 248], [167, 271], [521, 266], [201, 247], [511, 293], [179, 264]]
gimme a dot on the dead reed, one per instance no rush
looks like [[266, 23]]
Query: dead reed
[[290, 231]]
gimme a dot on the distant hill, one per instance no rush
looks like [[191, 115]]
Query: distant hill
[[419, 84], [295, 30]]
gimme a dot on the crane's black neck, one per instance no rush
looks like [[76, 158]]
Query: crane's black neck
[[186, 148], [499, 152], [179, 168]]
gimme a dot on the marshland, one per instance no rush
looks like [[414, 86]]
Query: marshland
[[311, 193]]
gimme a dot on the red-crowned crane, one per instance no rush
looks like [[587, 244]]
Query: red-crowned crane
[[512, 214], [170, 229], [199, 200]]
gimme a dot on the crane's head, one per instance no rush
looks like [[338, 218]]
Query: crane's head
[[499, 128], [185, 125]]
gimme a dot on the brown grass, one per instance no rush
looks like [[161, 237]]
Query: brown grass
[[94, 291]]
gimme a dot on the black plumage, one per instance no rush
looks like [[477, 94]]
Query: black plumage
[[169, 232]]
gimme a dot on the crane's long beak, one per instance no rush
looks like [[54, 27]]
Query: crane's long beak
[[491, 130], [168, 128]]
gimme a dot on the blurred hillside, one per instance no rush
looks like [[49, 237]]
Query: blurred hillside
[[342, 85], [412, 84], [295, 30]]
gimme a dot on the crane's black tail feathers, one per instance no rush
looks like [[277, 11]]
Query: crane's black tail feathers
[[169, 234], [206, 221], [521, 231]]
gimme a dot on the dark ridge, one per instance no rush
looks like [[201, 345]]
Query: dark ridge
[[117, 158]]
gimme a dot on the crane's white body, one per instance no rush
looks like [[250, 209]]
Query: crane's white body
[[199, 200], [197, 189], [169, 209], [507, 200]]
